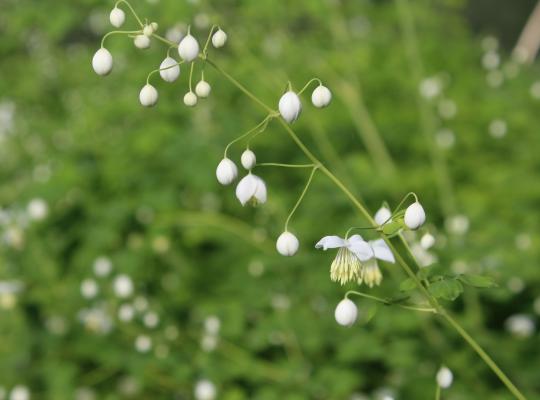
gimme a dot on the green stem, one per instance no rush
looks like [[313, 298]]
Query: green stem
[[262, 125], [388, 303], [271, 164], [162, 69], [301, 197], [438, 393], [132, 11], [309, 83], [116, 33]]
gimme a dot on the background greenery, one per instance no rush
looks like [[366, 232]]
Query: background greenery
[[138, 187]]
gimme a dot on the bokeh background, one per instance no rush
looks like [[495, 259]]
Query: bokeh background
[[128, 272]]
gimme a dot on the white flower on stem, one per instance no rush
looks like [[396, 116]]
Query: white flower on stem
[[190, 99], [415, 216], [219, 38], [248, 159], [142, 41], [148, 95], [382, 215], [102, 62], [203, 89], [226, 171], [205, 390], [154, 26], [321, 96], [169, 69], [290, 106], [117, 17], [347, 266], [252, 189], [370, 273], [148, 30], [287, 244], [188, 49], [346, 313], [444, 377]]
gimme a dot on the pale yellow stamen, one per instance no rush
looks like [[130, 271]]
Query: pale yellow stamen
[[370, 274], [346, 267]]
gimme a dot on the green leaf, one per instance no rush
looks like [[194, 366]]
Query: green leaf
[[478, 281], [407, 284], [448, 289]]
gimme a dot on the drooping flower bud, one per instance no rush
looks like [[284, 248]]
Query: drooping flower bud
[[147, 30], [290, 106], [219, 38], [188, 48], [321, 96], [203, 89], [190, 99], [226, 171], [148, 95], [251, 188], [346, 313], [287, 244], [382, 215], [142, 41], [248, 159], [117, 17], [444, 377], [102, 62], [154, 26], [169, 69], [414, 216]]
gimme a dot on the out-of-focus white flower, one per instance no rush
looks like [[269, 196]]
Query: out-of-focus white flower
[[37, 209], [140, 303], [251, 188], [497, 128], [447, 108], [151, 319], [415, 216], [520, 325], [19, 392], [148, 95], [175, 33], [382, 215], [188, 49], [123, 286], [117, 17], [96, 320], [190, 99], [212, 325], [126, 312], [248, 159], [102, 62], [202, 89], [205, 390], [427, 240], [444, 377], [219, 38], [287, 244], [89, 288], [445, 138], [515, 284], [209, 343], [102, 266], [169, 69], [290, 106], [490, 43], [430, 87], [321, 96], [85, 393], [457, 224], [491, 60], [226, 171], [143, 343], [346, 313], [495, 78], [535, 90]]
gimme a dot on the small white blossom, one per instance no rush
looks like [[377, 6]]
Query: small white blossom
[[498, 128], [219, 38], [444, 377], [141, 41], [148, 30], [287, 244], [188, 49], [252, 189], [37, 209], [248, 159], [143, 343], [102, 266], [151, 319], [126, 312], [371, 274], [169, 69], [176, 33], [520, 325], [415, 216], [102, 62], [203, 89], [427, 241], [89, 288], [290, 106], [346, 313], [382, 215], [19, 392], [321, 96], [123, 286], [212, 325], [117, 17], [204, 390], [190, 99], [226, 171], [148, 95]]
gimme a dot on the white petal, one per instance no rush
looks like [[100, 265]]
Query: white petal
[[415, 216], [382, 215], [330, 242], [360, 248], [355, 238], [260, 190], [382, 251]]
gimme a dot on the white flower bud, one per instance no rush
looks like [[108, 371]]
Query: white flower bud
[[382, 215], [226, 171], [148, 95], [205, 390], [251, 188], [219, 38], [190, 99], [321, 96], [147, 30], [248, 159], [346, 312], [444, 378], [102, 62], [287, 244], [203, 89], [169, 69], [117, 17], [154, 26], [414, 216], [142, 41], [188, 48], [290, 106]]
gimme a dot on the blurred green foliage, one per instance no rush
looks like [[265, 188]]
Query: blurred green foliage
[[137, 186]]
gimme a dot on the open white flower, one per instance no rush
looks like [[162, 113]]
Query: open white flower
[[371, 274], [347, 265], [252, 189]]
